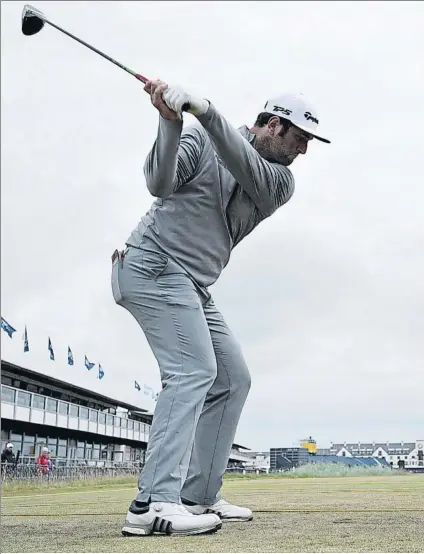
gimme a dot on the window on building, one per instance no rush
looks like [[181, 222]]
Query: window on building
[[63, 408], [16, 440], [102, 419], [80, 449], [73, 410], [38, 401], [136, 426], [94, 416], [51, 405], [31, 388], [130, 424], [83, 413], [7, 395], [124, 423], [52, 446], [96, 451], [6, 380], [23, 398], [117, 421], [95, 454], [343, 453], [88, 450], [28, 449], [62, 451], [380, 453], [109, 419]]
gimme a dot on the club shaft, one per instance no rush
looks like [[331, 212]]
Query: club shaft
[[127, 69]]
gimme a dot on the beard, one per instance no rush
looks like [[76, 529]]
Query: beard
[[267, 148]]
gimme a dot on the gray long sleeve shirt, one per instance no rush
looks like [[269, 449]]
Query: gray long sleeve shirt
[[212, 188]]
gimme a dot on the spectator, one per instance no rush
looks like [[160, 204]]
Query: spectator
[[43, 461], [7, 455]]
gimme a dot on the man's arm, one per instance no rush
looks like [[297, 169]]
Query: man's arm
[[173, 158], [269, 185]]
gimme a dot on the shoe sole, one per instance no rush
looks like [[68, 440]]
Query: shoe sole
[[229, 519], [149, 531]]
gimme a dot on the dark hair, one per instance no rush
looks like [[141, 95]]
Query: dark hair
[[264, 117]]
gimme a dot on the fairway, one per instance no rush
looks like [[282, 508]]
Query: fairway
[[347, 514]]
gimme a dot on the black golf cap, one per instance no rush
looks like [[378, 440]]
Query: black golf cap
[[31, 23]]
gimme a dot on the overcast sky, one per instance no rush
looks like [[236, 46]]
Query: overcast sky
[[326, 297]]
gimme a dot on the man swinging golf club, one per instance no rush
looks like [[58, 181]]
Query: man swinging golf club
[[213, 186]]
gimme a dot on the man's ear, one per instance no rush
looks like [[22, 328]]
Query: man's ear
[[273, 124]]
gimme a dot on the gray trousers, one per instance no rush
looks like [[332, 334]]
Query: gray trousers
[[205, 380]]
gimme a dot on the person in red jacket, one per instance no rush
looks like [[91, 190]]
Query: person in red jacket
[[43, 461]]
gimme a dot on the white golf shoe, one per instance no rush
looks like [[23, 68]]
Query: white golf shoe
[[168, 518], [225, 510]]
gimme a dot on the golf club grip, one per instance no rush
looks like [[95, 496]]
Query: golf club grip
[[141, 78], [144, 80]]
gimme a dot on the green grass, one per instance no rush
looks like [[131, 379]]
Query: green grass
[[328, 514]]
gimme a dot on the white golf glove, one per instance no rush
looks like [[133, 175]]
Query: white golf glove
[[175, 97]]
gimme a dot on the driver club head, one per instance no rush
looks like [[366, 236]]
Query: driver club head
[[32, 20]]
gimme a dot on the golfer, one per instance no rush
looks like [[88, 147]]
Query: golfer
[[213, 185]]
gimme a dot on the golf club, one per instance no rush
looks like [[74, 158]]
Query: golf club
[[33, 21]]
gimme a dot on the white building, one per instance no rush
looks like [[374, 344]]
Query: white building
[[259, 461], [408, 455]]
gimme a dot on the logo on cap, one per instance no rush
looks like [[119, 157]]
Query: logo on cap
[[284, 111], [310, 117]]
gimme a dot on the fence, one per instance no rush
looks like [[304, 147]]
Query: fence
[[30, 472]]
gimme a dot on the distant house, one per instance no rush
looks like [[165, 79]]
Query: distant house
[[408, 455]]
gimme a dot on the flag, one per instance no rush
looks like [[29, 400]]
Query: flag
[[26, 344], [51, 350], [136, 385], [7, 328], [70, 356], [101, 372], [88, 365]]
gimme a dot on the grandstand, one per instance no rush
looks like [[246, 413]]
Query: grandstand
[[77, 425]]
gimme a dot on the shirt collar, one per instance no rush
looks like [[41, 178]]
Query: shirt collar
[[245, 132]]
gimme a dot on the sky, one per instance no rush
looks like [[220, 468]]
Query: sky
[[326, 297]]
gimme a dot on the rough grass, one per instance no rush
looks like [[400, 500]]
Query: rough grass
[[327, 514], [342, 470]]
